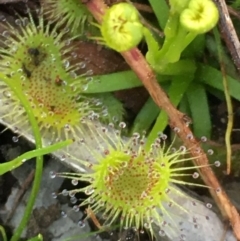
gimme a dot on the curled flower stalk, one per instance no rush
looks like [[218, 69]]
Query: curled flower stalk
[[37, 58], [129, 182], [198, 17]]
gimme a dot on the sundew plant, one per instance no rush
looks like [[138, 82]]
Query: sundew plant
[[131, 177], [131, 186], [39, 63]]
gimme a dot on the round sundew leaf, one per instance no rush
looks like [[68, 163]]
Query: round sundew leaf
[[38, 65], [130, 182]]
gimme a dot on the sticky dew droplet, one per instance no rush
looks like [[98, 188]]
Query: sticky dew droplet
[[84, 87], [89, 191], [54, 195], [161, 233], [209, 205], [163, 137], [18, 22], [182, 149], [74, 182], [73, 200], [89, 72], [76, 208], [63, 158], [52, 174], [81, 224], [203, 139], [63, 214], [15, 139], [72, 193], [176, 129], [65, 192], [7, 94], [122, 125], [210, 151], [195, 175], [146, 225], [217, 163], [5, 34]]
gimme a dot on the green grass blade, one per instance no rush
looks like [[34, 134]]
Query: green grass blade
[[146, 116], [161, 10], [8, 166], [3, 233], [37, 238], [198, 103], [213, 77], [184, 106], [116, 81]]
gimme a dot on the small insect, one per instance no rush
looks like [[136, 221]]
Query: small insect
[[58, 81], [52, 107], [186, 119], [26, 71], [35, 53]]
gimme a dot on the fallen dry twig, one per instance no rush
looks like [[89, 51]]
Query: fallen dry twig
[[228, 32]]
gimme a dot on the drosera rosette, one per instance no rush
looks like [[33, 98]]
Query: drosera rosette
[[72, 13], [129, 182], [37, 58]]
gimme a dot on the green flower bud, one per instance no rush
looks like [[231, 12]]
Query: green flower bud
[[200, 16], [121, 27]]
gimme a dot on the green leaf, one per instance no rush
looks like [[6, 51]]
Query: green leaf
[[213, 77], [37, 238], [3, 233], [146, 116], [116, 81], [184, 106], [198, 103], [8, 166], [161, 11]]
